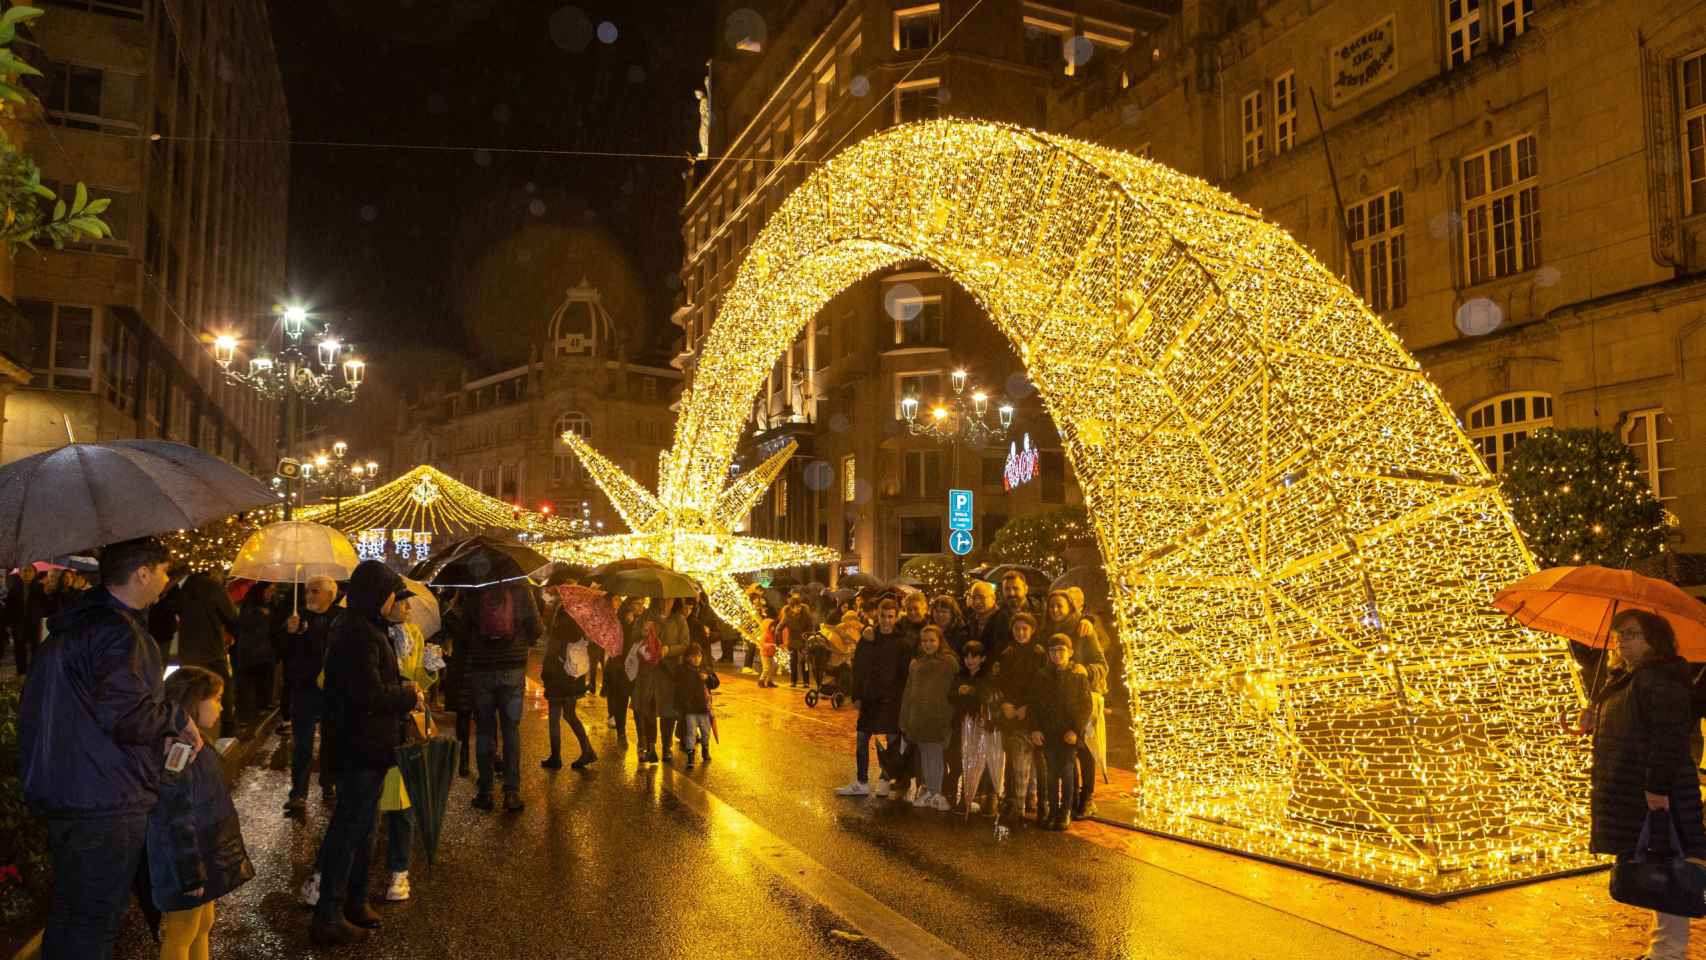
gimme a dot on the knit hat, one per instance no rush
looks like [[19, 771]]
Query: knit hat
[[1025, 617], [1059, 640]]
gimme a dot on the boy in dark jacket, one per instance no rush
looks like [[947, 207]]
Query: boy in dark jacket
[[1060, 712], [879, 678], [1017, 669], [693, 685]]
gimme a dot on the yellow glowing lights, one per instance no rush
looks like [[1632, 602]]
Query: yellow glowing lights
[[427, 499], [699, 543], [1301, 541]]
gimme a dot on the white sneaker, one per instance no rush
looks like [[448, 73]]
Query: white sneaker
[[881, 789], [854, 788], [921, 798], [939, 802], [399, 889], [309, 894]]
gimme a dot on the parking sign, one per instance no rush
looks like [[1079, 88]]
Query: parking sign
[[959, 510]]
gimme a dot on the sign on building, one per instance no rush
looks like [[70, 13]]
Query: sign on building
[[1364, 61], [959, 510]]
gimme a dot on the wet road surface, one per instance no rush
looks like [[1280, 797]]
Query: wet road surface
[[754, 856]]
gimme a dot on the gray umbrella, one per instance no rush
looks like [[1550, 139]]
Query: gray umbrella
[[87, 495]]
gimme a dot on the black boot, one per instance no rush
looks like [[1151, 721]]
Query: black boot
[[585, 758], [552, 762], [362, 915], [705, 752], [336, 933]]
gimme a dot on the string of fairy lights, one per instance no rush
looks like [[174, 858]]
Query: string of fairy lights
[[1301, 541], [426, 506]]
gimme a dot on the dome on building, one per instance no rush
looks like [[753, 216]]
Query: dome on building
[[581, 327]]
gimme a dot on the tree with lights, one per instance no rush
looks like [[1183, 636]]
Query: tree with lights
[[1041, 539], [1578, 497], [934, 570]]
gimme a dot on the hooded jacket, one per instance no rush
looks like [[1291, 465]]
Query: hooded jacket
[[365, 697], [194, 839], [926, 714], [94, 719]]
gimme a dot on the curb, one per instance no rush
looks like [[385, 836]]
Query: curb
[[231, 763]]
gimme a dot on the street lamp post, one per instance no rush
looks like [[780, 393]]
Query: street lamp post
[[298, 373], [331, 470], [958, 420]]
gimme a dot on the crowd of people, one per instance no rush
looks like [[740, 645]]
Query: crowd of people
[[996, 709]]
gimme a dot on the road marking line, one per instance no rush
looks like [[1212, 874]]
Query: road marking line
[[902, 938]]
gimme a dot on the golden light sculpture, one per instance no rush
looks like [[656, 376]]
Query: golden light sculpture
[[429, 500], [1302, 542], [700, 543]]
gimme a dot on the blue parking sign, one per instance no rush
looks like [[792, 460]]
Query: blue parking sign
[[960, 542], [959, 510]]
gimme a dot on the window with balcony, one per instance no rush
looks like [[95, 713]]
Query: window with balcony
[[921, 474], [1377, 249], [917, 318], [1694, 133], [1651, 436], [1496, 426], [1285, 111], [917, 100], [1501, 210], [917, 29], [1255, 134]]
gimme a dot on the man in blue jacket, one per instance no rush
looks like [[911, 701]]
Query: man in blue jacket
[[93, 730]]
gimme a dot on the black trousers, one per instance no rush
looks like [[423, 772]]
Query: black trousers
[[1086, 773], [256, 693], [565, 708], [616, 697]]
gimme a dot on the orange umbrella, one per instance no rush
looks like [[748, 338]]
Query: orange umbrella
[[1580, 602]]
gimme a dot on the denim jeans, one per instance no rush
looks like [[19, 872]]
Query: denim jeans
[[307, 703], [348, 847], [1060, 778], [399, 834], [565, 709], [695, 729], [94, 862], [497, 700], [862, 753]]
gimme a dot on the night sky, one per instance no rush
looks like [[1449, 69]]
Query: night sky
[[435, 250]]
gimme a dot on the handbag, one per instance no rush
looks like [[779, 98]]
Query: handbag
[[1669, 885]]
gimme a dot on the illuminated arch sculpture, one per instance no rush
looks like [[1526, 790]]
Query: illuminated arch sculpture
[[1301, 541]]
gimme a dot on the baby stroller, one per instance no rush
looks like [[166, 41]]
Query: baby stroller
[[831, 658]]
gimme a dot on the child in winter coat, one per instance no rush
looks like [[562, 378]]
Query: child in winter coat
[[977, 707], [1060, 715], [195, 844], [879, 680], [1021, 663], [926, 716], [694, 682]]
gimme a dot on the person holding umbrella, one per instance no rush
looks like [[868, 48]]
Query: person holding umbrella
[[367, 700], [93, 729], [305, 637], [665, 635]]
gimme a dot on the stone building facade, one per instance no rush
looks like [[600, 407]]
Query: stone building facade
[[175, 111], [793, 83], [1517, 186], [500, 433]]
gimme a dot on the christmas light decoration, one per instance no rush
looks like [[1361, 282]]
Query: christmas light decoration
[[428, 502], [698, 543], [1301, 542], [214, 545]]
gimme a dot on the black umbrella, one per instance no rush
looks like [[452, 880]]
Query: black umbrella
[[481, 561], [1035, 579], [1092, 580], [857, 580], [558, 572], [87, 495], [428, 768], [649, 581]]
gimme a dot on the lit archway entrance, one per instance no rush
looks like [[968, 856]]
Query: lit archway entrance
[[1302, 541]]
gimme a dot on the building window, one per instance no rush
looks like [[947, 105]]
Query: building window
[[1694, 133], [1501, 210], [1051, 475], [849, 481], [1377, 249], [1255, 134], [845, 62], [1650, 435], [1045, 45], [119, 361], [565, 466], [1513, 18], [779, 500], [823, 91], [921, 473], [820, 343], [87, 98], [1498, 425], [916, 100], [992, 473], [62, 343], [802, 119], [917, 28], [917, 318], [920, 536], [1463, 30], [1285, 111], [925, 387]]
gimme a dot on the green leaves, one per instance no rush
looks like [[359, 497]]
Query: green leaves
[[1579, 496]]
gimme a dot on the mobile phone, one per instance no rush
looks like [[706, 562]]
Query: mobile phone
[[178, 756]]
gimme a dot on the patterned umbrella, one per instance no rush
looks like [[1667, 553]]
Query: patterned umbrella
[[591, 609]]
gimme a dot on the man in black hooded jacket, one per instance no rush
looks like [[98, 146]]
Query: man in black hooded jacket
[[366, 701]]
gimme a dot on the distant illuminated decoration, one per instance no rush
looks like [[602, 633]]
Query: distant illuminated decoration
[[1301, 542], [410, 511], [1021, 464]]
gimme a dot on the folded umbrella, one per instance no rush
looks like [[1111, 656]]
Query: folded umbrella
[[592, 611], [428, 767], [87, 495], [1580, 603]]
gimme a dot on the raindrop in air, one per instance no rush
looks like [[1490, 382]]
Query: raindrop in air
[[369, 213], [1130, 113], [1444, 224], [838, 423], [819, 475], [536, 207], [1479, 317], [482, 158], [607, 32], [530, 186], [1079, 50], [903, 301], [942, 95], [501, 113], [745, 31], [571, 29], [860, 86], [1547, 277]]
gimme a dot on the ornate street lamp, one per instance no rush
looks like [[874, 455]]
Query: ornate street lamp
[[956, 421], [331, 472]]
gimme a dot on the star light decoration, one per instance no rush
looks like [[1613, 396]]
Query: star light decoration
[[1301, 542], [427, 505], [699, 542]]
